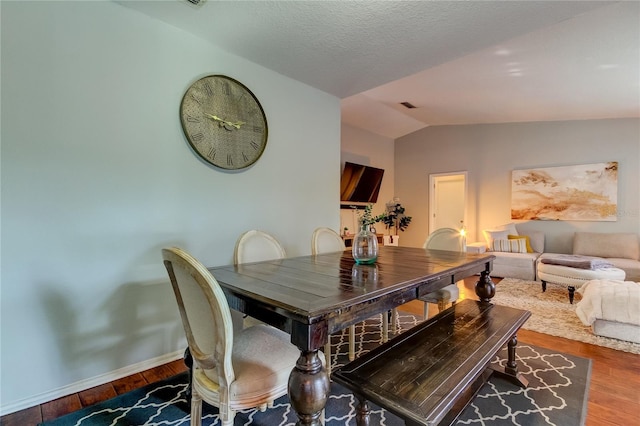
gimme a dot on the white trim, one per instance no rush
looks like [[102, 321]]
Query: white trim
[[89, 383], [433, 177]]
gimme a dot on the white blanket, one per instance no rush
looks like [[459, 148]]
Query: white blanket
[[609, 300]]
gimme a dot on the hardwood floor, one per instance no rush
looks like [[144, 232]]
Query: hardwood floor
[[614, 395], [61, 406]]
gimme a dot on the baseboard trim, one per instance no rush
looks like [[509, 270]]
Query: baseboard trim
[[88, 383]]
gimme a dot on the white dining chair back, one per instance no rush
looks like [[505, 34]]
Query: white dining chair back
[[326, 240], [257, 246], [446, 239], [232, 370]]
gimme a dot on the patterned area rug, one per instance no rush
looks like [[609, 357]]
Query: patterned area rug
[[556, 395], [551, 312]]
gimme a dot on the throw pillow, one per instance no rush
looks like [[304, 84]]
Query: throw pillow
[[511, 246], [491, 234], [523, 237], [509, 227]]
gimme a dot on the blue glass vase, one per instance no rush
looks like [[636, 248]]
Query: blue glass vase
[[365, 246]]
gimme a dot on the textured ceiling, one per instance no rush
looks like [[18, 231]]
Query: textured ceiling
[[458, 62]]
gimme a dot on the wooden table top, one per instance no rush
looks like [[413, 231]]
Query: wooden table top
[[310, 289]]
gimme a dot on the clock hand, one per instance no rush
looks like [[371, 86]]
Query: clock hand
[[225, 122]]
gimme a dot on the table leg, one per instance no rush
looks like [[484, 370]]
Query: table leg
[[485, 288], [309, 388], [363, 410], [572, 291]]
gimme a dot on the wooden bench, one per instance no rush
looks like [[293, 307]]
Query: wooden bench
[[429, 374]]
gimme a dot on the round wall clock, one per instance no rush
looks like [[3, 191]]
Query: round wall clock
[[224, 122]]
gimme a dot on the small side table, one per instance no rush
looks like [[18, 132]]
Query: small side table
[[476, 248]]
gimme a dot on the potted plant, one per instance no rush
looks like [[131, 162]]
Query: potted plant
[[395, 220]]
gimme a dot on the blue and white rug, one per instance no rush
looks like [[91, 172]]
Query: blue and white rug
[[556, 395]]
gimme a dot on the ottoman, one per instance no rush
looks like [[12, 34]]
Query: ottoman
[[611, 308], [558, 270]]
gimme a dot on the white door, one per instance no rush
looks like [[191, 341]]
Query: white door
[[448, 200]]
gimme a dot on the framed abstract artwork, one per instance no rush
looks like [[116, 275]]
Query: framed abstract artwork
[[581, 192]]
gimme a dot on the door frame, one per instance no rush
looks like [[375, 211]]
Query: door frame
[[433, 178]]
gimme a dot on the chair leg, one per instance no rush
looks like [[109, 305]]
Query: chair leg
[[442, 305], [426, 311], [385, 327], [327, 356], [394, 321], [226, 413], [196, 409], [227, 416], [352, 342]]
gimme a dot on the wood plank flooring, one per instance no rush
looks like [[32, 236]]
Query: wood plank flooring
[[61, 406], [614, 392]]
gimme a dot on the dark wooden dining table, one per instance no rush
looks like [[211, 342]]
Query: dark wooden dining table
[[312, 297]]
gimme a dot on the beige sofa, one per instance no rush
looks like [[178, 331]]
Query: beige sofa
[[621, 249], [509, 263]]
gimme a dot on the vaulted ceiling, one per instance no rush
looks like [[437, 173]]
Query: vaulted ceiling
[[456, 62]]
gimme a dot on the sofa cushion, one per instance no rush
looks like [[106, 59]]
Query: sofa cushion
[[518, 245], [620, 245], [491, 235], [510, 228], [514, 265], [526, 238], [630, 266], [536, 238]]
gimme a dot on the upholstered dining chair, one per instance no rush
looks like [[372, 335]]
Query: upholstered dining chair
[[256, 246], [448, 239], [232, 370], [326, 240]]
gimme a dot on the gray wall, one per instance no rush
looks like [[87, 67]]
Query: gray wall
[[97, 177], [490, 152], [362, 147]]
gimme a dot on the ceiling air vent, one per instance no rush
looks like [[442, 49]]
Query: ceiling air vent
[[407, 105]]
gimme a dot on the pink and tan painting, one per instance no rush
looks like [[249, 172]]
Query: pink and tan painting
[[582, 192]]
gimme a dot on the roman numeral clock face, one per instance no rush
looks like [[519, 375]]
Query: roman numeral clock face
[[224, 122]]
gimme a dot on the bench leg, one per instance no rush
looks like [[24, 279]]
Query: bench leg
[[511, 369], [362, 416]]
